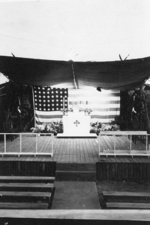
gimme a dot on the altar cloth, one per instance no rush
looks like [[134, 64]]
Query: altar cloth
[[76, 124]]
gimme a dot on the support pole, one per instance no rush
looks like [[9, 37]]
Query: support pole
[[74, 78], [33, 105]]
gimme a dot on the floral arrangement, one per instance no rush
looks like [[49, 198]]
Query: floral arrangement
[[88, 111], [65, 111], [109, 127], [53, 127], [97, 127]]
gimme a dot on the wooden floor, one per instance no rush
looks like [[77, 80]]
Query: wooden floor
[[74, 150]]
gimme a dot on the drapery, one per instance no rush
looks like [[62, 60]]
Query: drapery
[[120, 75]]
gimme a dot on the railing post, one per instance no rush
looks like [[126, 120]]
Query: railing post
[[99, 146], [36, 144], [4, 143], [20, 143], [130, 143], [114, 143], [52, 143], [146, 142]]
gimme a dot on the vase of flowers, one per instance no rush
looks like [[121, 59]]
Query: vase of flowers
[[87, 111]]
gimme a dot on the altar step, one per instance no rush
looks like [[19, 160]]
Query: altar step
[[76, 135], [76, 172]]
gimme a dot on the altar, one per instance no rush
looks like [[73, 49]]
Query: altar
[[76, 124]]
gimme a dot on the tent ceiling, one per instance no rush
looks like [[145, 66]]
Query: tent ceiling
[[107, 75]]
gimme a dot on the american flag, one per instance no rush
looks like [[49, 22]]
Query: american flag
[[48, 103], [105, 105]]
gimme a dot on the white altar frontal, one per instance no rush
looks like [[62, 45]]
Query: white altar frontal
[[76, 124]]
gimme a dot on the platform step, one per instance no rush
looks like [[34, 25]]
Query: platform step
[[75, 175], [76, 172], [76, 166], [89, 135]]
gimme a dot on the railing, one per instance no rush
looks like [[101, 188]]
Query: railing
[[134, 143], [26, 144]]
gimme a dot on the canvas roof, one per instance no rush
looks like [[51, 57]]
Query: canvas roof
[[121, 75]]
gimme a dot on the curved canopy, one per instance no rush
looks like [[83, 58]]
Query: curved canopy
[[126, 74]]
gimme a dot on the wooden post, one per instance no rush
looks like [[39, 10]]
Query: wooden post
[[36, 143], [52, 139], [114, 137], [99, 145], [33, 106], [4, 143], [20, 142]]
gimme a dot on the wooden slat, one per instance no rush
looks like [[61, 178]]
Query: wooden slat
[[27, 179], [26, 186], [95, 215], [127, 205], [24, 205], [24, 194], [126, 194]]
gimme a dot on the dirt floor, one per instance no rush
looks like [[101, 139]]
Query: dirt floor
[[141, 186]]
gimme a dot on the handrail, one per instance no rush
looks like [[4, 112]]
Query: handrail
[[123, 132], [34, 143], [132, 148]]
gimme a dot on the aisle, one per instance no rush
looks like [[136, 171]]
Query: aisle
[[75, 195]]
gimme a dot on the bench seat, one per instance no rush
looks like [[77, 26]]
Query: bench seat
[[25, 196], [23, 205], [33, 179], [125, 194], [127, 205], [26, 187]]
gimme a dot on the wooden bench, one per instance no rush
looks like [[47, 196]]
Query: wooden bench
[[26, 187], [26, 192], [23, 205], [24, 196], [127, 205], [26, 179], [116, 194], [126, 200]]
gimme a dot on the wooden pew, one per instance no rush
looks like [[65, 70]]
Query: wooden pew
[[23, 205], [117, 194], [14, 196], [25, 192], [127, 205], [26, 179], [126, 200], [26, 187]]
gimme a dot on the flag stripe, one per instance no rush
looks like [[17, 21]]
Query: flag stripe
[[47, 116], [105, 105]]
